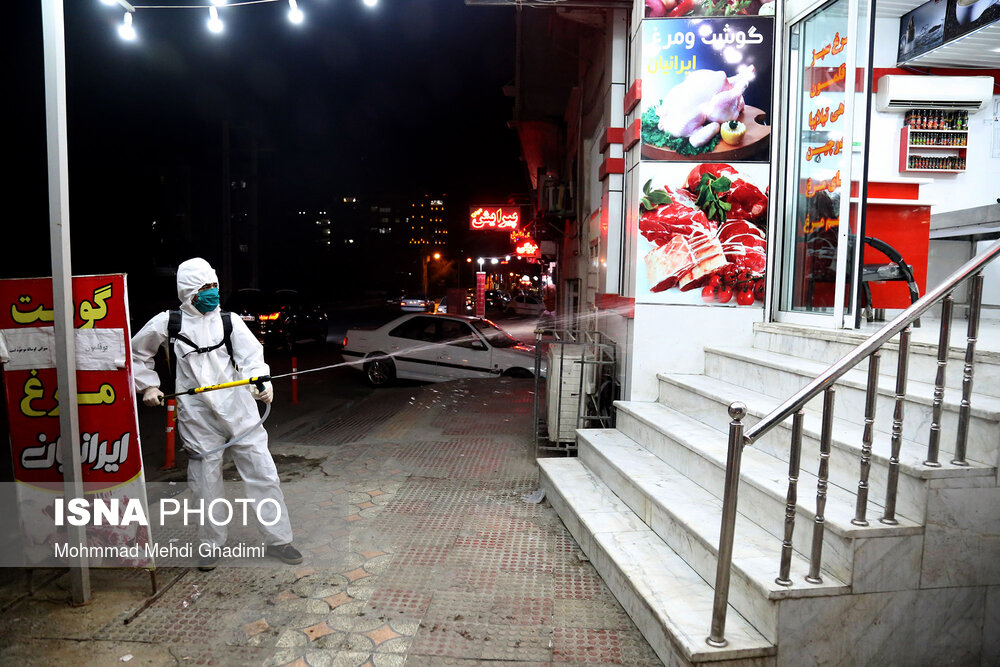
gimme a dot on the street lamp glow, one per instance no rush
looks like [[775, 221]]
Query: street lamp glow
[[437, 255], [125, 30], [214, 22], [494, 261], [371, 3], [294, 13]]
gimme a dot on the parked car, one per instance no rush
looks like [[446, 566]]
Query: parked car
[[280, 319], [415, 304], [495, 299], [436, 348], [525, 304]]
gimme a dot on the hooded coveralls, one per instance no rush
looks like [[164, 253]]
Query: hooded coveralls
[[205, 422]]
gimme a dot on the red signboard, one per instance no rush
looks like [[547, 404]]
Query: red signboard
[[109, 433], [528, 249], [500, 218]]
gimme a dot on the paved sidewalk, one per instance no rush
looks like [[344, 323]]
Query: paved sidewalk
[[421, 551]]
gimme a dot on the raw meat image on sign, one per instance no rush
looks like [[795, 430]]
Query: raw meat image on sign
[[702, 238]]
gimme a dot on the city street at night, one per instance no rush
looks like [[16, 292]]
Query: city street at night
[[422, 547], [467, 333]]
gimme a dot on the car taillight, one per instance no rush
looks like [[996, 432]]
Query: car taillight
[[268, 318], [344, 343]]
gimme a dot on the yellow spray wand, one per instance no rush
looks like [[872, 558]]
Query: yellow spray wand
[[257, 381]]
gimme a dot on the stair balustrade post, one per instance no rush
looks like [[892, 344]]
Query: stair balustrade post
[[871, 393], [791, 499], [889, 518], [965, 409], [717, 638], [944, 341], [823, 476]]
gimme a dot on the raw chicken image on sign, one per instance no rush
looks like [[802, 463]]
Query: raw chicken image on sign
[[706, 89], [701, 234]]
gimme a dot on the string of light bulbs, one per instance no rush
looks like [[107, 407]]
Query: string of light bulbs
[[215, 25]]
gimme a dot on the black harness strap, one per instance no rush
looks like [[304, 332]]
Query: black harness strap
[[174, 334]]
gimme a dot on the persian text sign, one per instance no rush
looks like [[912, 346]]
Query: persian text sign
[[498, 218], [109, 434], [528, 248]]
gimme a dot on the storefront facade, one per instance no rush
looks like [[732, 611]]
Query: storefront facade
[[737, 176], [816, 166]]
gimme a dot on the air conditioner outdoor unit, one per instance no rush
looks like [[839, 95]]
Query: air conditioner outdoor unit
[[953, 93]]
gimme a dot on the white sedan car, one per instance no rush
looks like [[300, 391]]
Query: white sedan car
[[524, 304], [436, 348], [415, 304]]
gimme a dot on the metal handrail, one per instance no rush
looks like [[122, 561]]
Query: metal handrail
[[834, 372], [740, 437]]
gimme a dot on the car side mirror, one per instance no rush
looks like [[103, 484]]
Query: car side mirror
[[478, 345]]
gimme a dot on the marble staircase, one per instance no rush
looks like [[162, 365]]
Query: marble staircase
[[644, 502]]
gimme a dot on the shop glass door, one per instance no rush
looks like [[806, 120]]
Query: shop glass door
[[825, 163]]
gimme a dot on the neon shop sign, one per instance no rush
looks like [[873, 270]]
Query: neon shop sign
[[494, 217]]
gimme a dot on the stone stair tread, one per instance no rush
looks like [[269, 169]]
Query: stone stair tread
[[847, 435], [928, 346], [766, 472], [756, 552], [680, 600], [984, 406]]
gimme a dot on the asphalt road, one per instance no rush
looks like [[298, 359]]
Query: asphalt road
[[322, 392]]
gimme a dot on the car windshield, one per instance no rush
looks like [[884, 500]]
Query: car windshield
[[494, 334]]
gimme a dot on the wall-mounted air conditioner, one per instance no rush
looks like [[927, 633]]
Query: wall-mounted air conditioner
[[954, 93]]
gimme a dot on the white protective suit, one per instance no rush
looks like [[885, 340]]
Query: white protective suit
[[205, 422]]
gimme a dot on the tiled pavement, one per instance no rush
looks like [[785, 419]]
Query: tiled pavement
[[421, 551]]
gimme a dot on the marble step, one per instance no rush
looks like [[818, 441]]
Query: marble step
[[687, 518], [669, 602], [699, 452], [829, 346], [707, 399], [781, 375]]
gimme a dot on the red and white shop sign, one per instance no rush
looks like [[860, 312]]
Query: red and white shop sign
[[109, 431]]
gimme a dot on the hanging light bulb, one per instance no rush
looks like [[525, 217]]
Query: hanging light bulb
[[214, 22], [110, 2], [294, 13], [218, 3], [371, 3], [125, 30]]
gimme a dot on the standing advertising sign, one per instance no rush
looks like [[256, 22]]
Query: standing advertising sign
[[109, 432], [705, 146]]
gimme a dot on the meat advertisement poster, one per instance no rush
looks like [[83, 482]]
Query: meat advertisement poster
[[706, 89], [702, 237], [109, 433]]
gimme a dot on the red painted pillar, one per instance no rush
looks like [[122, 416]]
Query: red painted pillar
[[168, 459], [480, 294]]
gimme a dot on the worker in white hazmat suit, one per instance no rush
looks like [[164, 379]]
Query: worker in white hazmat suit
[[207, 421]]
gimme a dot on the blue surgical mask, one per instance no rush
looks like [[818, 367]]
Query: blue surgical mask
[[206, 300]]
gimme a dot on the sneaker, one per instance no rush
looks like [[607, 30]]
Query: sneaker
[[285, 553], [207, 563]]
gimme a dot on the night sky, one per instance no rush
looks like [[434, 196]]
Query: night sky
[[405, 98]]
